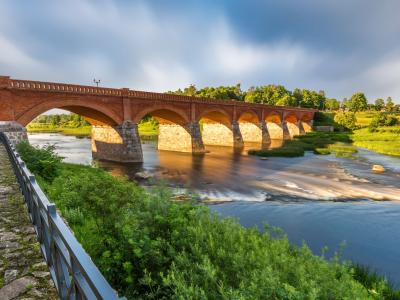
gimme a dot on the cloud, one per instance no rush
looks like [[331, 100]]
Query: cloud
[[339, 46]]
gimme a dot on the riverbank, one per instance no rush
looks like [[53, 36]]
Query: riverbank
[[84, 131], [141, 223], [385, 140]]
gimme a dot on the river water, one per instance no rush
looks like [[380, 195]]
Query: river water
[[322, 200]]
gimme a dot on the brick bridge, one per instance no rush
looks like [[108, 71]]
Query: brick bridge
[[115, 113]]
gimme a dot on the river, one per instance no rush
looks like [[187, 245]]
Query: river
[[322, 200]]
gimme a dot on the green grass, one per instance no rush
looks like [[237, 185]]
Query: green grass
[[78, 131], [308, 142], [150, 247], [386, 140], [148, 129]]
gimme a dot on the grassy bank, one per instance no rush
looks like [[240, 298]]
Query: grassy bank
[[145, 129], [318, 142], [149, 247], [383, 139], [78, 131]]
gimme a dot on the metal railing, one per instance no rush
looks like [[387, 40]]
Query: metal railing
[[74, 274]]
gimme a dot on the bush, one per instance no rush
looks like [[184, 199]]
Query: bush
[[382, 119], [347, 120], [324, 119], [149, 247], [43, 162]]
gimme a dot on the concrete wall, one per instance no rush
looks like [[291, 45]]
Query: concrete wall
[[14, 131], [117, 143]]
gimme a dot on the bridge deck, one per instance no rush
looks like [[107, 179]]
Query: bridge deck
[[23, 272]]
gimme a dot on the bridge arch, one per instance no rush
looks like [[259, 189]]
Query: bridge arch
[[96, 114], [250, 126], [292, 123], [175, 132], [273, 122], [305, 123], [164, 113], [218, 128]]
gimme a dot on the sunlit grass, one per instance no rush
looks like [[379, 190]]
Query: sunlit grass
[[385, 141]]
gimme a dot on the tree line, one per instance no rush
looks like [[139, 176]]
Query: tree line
[[63, 120], [278, 95]]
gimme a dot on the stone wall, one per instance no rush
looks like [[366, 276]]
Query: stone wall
[[293, 129], [275, 131], [217, 134], [14, 131], [117, 143], [174, 137], [251, 132]]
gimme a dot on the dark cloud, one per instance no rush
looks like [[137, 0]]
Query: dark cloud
[[339, 46]]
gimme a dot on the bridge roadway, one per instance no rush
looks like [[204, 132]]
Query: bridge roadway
[[186, 124], [23, 272]]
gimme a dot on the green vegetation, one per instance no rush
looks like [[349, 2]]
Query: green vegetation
[[267, 94], [346, 120], [313, 141], [385, 140], [357, 102], [150, 247]]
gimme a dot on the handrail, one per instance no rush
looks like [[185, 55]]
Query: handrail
[[73, 272]]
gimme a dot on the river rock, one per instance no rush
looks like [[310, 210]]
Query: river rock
[[378, 169]]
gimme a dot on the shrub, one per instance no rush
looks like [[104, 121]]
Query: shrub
[[149, 247], [382, 119], [40, 161], [347, 120]]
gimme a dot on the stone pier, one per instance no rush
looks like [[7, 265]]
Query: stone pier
[[181, 138], [275, 130], [293, 129], [14, 131], [251, 132], [23, 272], [218, 134], [117, 143]]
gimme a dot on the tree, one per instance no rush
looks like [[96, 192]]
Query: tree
[[309, 98], [357, 102], [269, 94], [379, 104], [332, 104], [389, 104], [347, 120]]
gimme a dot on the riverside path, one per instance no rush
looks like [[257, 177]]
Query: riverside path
[[23, 271]]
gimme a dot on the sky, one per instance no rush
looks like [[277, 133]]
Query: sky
[[340, 46]]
